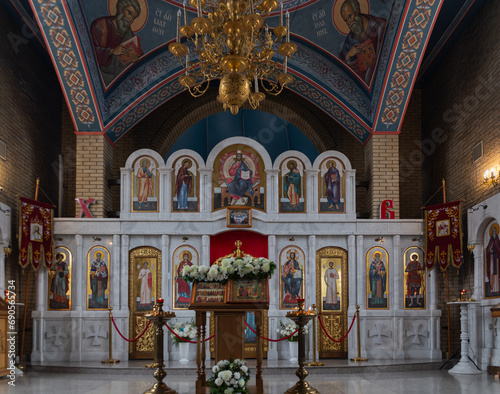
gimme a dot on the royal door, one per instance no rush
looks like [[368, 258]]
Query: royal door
[[144, 289], [332, 300]]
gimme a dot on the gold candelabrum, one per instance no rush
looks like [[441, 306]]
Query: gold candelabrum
[[159, 317], [230, 40], [301, 317]]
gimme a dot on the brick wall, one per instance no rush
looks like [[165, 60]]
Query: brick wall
[[94, 167], [30, 117], [461, 107], [382, 171]]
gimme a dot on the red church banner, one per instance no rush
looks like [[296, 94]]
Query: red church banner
[[443, 235], [35, 234]]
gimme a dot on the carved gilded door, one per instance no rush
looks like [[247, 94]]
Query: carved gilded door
[[144, 286], [332, 300]]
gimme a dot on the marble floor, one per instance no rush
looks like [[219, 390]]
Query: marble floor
[[131, 379]]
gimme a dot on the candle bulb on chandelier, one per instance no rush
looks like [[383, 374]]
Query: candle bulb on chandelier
[[287, 27], [187, 63], [198, 6], [185, 13], [281, 14], [256, 83], [251, 7], [179, 26], [285, 68]]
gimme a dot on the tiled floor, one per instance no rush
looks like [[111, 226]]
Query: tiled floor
[[134, 380]]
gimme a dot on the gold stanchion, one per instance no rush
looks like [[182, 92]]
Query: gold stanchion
[[314, 363], [110, 360], [159, 318], [359, 358]]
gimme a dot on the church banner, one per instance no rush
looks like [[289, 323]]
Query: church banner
[[35, 234], [443, 235]]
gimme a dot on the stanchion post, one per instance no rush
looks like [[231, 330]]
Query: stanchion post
[[359, 358], [314, 362], [110, 360]]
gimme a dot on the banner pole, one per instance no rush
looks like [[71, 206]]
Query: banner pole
[[447, 286], [27, 291]]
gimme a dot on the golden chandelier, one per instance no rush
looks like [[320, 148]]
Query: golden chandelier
[[229, 39]]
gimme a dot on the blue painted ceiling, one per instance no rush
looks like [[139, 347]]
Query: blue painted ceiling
[[364, 103]]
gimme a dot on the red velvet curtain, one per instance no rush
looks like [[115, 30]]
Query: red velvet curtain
[[223, 244]]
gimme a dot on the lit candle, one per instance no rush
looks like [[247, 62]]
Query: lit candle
[[198, 4], [281, 14], [185, 13], [287, 27], [256, 83], [179, 26], [160, 300]]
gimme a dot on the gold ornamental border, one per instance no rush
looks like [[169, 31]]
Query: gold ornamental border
[[141, 251], [330, 252]]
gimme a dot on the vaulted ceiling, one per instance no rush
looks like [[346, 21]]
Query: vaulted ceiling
[[365, 96]]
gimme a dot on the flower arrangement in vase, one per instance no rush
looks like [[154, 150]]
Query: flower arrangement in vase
[[229, 376], [186, 330]]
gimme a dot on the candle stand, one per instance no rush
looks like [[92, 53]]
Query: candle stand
[[301, 317], [159, 317]]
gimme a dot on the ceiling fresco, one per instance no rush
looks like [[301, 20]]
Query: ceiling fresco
[[364, 84]]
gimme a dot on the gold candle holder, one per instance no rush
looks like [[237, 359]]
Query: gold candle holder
[[301, 317], [159, 317]]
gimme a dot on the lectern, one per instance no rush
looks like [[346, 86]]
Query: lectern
[[229, 304]]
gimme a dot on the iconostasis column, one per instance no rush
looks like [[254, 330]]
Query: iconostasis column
[[41, 288], [205, 250], [166, 272], [352, 274], [205, 190], [273, 195], [311, 285], [350, 185], [361, 290], [165, 191], [125, 191], [94, 167], [125, 245], [115, 279], [397, 295], [312, 190], [2, 268], [79, 280], [274, 288]]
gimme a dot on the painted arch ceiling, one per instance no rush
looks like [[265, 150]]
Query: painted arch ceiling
[[364, 102]]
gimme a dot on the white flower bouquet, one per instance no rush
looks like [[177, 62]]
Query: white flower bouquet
[[231, 268], [229, 376], [289, 328], [186, 330]]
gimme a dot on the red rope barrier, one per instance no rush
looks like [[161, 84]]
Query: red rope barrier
[[187, 340], [129, 340], [341, 339], [273, 340]]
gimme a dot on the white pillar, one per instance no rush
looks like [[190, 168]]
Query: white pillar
[[125, 192], [205, 250], [310, 295], [350, 185], [41, 288], [125, 244], [2, 269], [352, 274], [79, 282], [361, 273], [397, 274], [272, 353], [166, 272], [272, 191], [205, 190], [116, 274], [312, 191], [165, 206]]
